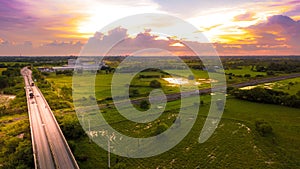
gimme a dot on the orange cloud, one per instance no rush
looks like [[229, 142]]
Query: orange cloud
[[279, 35]]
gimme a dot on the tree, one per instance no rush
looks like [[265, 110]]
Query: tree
[[247, 75], [263, 127], [298, 93], [270, 73], [3, 82], [191, 77], [144, 105], [134, 93], [71, 127], [161, 128], [155, 84], [66, 91]]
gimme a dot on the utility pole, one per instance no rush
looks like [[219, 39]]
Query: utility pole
[[90, 130], [108, 152]]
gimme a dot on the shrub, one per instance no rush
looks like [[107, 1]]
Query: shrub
[[270, 73], [161, 128], [247, 75], [191, 77], [263, 127], [155, 84], [134, 93], [144, 105], [259, 76], [71, 127], [230, 88]]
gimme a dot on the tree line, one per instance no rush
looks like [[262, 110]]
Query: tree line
[[269, 96]]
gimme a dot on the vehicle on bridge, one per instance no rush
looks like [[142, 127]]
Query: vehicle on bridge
[[31, 95]]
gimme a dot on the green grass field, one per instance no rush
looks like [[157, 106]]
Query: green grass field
[[103, 82], [245, 70], [291, 86], [234, 144]]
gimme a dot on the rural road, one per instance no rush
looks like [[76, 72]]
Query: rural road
[[50, 148], [175, 96]]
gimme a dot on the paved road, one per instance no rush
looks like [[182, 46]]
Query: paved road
[[49, 145]]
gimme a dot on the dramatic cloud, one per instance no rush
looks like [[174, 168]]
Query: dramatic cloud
[[47, 49], [279, 35], [248, 16], [191, 8], [277, 30], [13, 15], [118, 42], [241, 26]]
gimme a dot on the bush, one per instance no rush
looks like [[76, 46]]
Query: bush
[[134, 93], [161, 128], [155, 84], [269, 96], [247, 75], [144, 105], [298, 93], [263, 127], [258, 76], [230, 88], [191, 77], [270, 73], [71, 127]]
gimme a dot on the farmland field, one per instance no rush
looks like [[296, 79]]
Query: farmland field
[[291, 86], [245, 70], [235, 143]]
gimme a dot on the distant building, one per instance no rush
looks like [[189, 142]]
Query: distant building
[[46, 69], [63, 68], [73, 63]]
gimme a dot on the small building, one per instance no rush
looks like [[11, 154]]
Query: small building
[[63, 68], [71, 62], [46, 69]]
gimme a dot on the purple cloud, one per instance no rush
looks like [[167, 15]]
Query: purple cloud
[[54, 48], [12, 15], [279, 35], [278, 29]]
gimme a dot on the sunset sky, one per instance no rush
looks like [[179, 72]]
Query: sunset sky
[[234, 27]]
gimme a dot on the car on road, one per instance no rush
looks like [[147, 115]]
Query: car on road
[[31, 95]]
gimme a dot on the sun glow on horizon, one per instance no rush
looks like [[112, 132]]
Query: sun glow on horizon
[[235, 27]]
